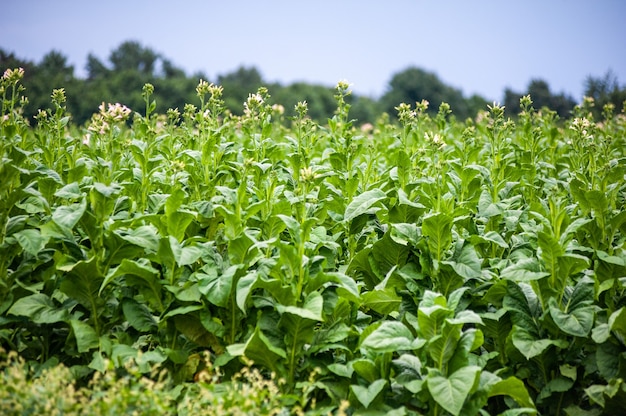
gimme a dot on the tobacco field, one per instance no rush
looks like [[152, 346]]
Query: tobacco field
[[200, 262]]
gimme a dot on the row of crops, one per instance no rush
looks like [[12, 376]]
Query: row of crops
[[197, 261]]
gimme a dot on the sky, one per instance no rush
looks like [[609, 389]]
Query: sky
[[480, 46]]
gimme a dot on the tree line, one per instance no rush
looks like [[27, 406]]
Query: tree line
[[131, 65]]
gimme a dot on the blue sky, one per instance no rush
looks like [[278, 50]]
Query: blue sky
[[480, 46]]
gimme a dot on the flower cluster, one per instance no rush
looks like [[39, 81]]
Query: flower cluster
[[114, 112], [12, 76], [405, 114], [308, 174], [204, 88], [108, 115], [252, 104], [435, 139]]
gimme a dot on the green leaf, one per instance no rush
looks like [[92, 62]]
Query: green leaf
[[438, 229], [140, 274], [431, 318], [31, 240], [191, 327], [146, 236], [383, 301], [451, 392], [69, 191], [365, 368], [530, 345], [405, 234], [366, 395], [617, 322], [68, 216], [390, 336], [578, 317], [39, 308], [217, 287], [177, 223], [138, 315], [514, 388], [466, 264], [311, 309], [86, 337], [186, 255], [363, 204], [82, 282], [244, 288], [260, 350], [551, 250], [387, 254], [441, 347], [524, 270]]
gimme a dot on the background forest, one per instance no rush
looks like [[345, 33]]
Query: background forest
[[131, 65]]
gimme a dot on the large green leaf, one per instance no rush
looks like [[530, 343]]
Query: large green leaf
[[31, 240], [185, 255], [366, 395], [139, 274], [244, 288], [86, 337], [386, 254], [83, 282], [438, 229], [390, 336], [146, 236], [524, 270], [578, 315], [138, 315], [551, 250], [260, 350], [39, 308], [68, 216], [514, 388], [466, 263], [363, 203], [451, 392], [311, 309], [217, 286], [441, 347], [383, 301], [530, 345], [431, 319]]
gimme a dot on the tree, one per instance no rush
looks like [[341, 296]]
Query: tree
[[130, 55], [605, 90], [415, 84], [95, 68], [540, 93]]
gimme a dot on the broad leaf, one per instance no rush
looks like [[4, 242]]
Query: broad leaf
[[31, 240], [451, 392], [438, 229], [39, 308], [390, 336], [86, 336], [366, 395], [530, 345], [311, 309], [68, 216], [383, 301], [138, 315], [513, 387], [363, 204], [466, 264], [524, 270], [217, 287]]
